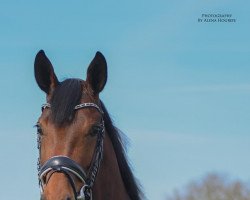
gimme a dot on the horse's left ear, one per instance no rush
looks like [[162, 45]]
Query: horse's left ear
[[97, 73]]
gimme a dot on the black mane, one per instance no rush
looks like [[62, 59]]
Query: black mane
[[65, 97], [119, 146]]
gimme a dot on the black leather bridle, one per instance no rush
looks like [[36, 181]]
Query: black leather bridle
[[67, 166]]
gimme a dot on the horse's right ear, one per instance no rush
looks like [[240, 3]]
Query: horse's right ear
[[44, 73]]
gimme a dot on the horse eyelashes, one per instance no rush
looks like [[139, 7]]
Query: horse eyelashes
[[39, 129], [94, 131]]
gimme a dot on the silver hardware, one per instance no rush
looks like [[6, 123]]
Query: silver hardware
[[84, 105], [46, 105], [83, 191], [79, 106]]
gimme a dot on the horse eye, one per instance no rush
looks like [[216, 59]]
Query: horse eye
[[39, 129], [95, 130]]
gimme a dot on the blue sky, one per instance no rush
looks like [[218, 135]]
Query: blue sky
[[179, 89]]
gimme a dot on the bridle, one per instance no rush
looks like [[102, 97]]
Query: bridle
[[67, 166]]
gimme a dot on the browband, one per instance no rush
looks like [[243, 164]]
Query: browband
[[82, 105]]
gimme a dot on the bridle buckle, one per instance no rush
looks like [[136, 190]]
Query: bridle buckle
[[85, 193]]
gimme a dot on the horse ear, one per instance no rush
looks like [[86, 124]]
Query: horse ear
[[44, 73], [97, 73]]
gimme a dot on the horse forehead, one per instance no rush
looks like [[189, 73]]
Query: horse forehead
[[87, 117], [84, 117]]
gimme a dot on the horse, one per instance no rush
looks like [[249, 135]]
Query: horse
[[81, 153]]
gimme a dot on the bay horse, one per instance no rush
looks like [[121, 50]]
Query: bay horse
[[81, 152]]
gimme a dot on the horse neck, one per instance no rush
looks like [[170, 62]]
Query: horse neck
[[109, 184]]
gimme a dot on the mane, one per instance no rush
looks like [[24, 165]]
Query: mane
[[65, 97], [128, 178]]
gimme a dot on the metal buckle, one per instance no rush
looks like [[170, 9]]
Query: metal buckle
[[85, 193]]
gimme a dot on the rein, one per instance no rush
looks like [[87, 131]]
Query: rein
[[67, 166]]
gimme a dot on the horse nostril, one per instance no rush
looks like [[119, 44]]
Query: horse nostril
[[68, 198]]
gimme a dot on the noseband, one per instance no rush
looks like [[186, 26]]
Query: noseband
[[67, 166]]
